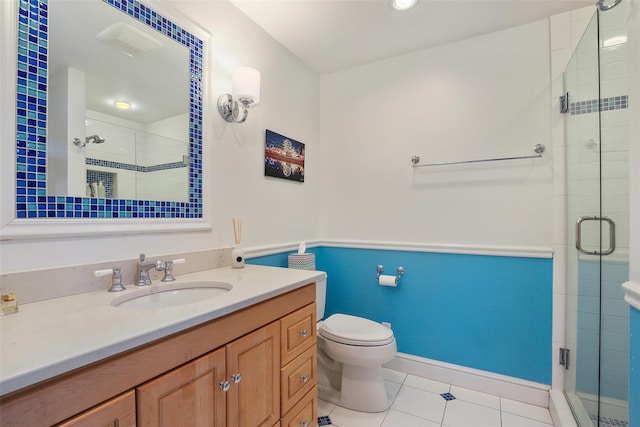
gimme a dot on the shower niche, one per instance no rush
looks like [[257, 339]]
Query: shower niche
[[101, 184]]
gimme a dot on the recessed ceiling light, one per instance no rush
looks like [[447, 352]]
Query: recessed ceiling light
[[123, 105], [403, 4]]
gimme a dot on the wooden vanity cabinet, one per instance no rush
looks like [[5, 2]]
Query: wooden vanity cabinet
[[238, 385], [175, 381], [248, 385]]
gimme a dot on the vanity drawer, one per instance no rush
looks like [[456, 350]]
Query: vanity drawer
[[304, 413], [119, 411], [298, 377], [298, 332]]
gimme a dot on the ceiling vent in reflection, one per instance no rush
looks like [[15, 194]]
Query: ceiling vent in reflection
[[129, 40]]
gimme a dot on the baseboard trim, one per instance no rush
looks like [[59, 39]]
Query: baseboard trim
[[474, 379]]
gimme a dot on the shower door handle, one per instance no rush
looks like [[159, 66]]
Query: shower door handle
[[612, 235]]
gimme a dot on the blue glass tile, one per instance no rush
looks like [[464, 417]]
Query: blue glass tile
[[324, 421], [448, 396]]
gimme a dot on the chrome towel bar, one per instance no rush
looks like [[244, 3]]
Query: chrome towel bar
[[538, 149]]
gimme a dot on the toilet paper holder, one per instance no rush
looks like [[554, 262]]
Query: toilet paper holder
[[399, 271]]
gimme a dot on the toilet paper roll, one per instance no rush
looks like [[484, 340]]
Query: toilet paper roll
[[386, 280]]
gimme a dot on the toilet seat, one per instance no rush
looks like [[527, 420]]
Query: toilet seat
[[353, 330]]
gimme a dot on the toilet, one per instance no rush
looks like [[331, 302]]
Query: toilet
[[351, 351]]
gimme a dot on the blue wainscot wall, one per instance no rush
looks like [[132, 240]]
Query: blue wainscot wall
[[491, 313]]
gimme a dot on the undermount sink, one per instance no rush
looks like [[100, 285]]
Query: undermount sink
[[171, 295]]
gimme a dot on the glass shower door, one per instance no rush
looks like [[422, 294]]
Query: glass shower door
[[597, 222]]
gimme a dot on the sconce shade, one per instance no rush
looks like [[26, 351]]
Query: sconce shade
[[245, 85], [245, 94]]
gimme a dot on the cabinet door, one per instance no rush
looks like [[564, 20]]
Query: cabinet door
[[117, 412], [255, 399], [189, 396]]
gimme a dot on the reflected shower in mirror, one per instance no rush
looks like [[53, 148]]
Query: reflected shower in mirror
[[134, 163], [109, 98]]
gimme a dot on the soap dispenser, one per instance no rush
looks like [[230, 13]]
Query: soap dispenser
[[101, 189]]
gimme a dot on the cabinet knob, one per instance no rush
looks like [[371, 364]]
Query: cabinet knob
[[236, 378], [304, 378], [304, 332], [304, 423], [225, 386]]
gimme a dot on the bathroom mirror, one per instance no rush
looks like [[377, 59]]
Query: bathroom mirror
[[75, 60], [131, 139]]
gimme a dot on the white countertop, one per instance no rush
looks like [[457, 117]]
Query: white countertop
[[48, 338]]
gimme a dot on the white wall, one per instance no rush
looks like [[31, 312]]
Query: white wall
[[479, 98], [234, 186]]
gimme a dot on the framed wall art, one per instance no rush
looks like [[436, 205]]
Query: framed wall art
[[283, 157]]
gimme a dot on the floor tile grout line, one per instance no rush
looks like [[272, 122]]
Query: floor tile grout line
[[394, 399], [403, 384], [446, 405]]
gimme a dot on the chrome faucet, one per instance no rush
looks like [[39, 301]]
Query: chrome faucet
[[142, 269]]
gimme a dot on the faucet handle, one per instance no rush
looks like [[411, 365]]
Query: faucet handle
[[168, 269], [116, 278]]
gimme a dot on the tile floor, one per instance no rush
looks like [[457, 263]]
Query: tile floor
[[420, 402]]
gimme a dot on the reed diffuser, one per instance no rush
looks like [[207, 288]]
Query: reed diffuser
[[237, 253]]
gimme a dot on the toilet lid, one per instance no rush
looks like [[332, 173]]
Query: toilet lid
[[355, 330]]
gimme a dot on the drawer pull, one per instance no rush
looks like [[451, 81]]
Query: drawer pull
[[304, 423], [225, 386], [304, 378], [236, 378], [116, 422], [304, 332]]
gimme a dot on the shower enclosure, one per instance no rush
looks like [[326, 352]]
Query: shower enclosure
[[597, 352]]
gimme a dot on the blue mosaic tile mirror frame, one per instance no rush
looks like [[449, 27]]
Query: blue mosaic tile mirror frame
[[32, 200]]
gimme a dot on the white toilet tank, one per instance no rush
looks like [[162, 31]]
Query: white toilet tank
[[321, 296]]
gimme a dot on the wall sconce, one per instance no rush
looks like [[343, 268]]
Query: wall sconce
[[245, 93]]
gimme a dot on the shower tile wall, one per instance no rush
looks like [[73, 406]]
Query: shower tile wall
[[155, 172], [585, 172]]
